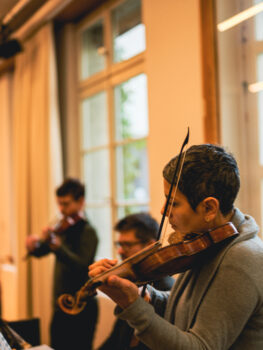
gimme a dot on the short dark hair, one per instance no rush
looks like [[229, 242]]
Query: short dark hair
[[144, 225], [208, 170], [71, 186]]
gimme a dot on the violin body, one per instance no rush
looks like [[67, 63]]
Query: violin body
[[50, 235], [153, 263], [63, 225], [182, 256]]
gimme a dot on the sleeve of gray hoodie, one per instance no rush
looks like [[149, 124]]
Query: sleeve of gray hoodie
[[232, 297]]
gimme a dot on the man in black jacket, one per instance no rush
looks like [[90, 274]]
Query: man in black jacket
[[135, 232], [74, 243]]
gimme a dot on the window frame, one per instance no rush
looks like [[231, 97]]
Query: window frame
[[115, 73]]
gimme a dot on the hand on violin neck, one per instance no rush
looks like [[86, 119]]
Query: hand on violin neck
[[120, 290], [100, 266], [31, 243]]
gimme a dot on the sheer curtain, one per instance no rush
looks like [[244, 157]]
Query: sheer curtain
[[37, 167], [5, 173], [8, 270]]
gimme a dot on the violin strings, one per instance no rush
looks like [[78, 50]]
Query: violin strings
[[164, 235]]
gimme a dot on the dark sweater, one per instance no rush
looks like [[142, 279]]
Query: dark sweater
[[76, 253]]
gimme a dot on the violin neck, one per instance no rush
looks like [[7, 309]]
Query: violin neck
[[129, 262]]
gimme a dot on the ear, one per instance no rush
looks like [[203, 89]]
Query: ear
[[81, 201], [210, 207]]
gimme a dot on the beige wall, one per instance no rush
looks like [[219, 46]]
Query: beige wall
[[173, 66]]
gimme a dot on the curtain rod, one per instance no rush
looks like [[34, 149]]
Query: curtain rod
[[15, 10], [47, 12]]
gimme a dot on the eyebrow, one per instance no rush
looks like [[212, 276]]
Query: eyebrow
[[171, 199]]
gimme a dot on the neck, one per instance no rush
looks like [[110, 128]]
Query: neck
[[221, 219]]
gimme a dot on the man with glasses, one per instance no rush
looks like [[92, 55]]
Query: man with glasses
[[135, 232]]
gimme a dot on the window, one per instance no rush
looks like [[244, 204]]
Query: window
[[92, 42], [240, 56], [113, 116], [128, 36], [131, 129]]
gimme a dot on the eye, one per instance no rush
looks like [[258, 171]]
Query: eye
[[174, 204]]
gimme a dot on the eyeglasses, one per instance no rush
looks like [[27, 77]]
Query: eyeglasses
[[126, 245]]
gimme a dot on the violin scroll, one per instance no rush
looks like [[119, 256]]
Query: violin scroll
[[75, 304], [70, 304]]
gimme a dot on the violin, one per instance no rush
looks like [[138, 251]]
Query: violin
[[59, 228], [153, 263], [63, 225]]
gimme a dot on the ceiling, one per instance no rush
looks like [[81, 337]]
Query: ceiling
[[5, 7], [77, 9], [74, 11], [15, 13], [18, 17]]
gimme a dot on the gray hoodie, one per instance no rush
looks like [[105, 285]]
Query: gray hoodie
[[217, 305]]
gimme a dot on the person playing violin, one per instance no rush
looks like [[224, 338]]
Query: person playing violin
[[135, 232], [218, 302], [74, 243]]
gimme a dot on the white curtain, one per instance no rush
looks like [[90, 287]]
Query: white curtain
[[37, 167], [6, 166], [8, 271]]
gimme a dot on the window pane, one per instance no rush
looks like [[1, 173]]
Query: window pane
[[128, 30], [94, 121], [260, 104], [124, 211], [101, 219], [258, 23], [131, 110], [96, 175], [91, 60], [132, 172]]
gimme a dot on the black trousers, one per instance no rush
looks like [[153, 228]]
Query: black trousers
[[74, 332]]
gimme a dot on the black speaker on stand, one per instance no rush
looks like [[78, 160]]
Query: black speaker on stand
[[10, 48]]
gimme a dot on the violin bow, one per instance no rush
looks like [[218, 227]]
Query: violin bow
[[173, 183], [170, 193]]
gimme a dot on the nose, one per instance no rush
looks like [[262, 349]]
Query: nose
[[62, 210], [120, 250]]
